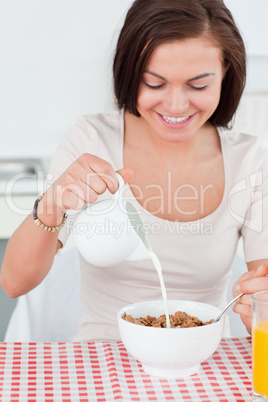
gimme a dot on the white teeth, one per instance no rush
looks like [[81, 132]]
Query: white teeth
[[175, 120]]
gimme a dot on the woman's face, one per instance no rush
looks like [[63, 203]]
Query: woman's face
[[180, 88]]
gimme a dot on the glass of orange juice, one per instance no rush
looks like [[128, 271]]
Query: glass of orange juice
[[260, 346]]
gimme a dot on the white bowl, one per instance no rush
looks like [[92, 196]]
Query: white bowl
[[171, 352]]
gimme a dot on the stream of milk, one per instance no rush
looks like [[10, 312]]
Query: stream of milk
[[158, 268]]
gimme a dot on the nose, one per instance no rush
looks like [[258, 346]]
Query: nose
[[177, 101]]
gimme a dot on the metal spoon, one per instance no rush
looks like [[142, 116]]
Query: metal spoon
[[228, 305]]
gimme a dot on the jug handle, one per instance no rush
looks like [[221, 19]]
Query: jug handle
[[121, 182]]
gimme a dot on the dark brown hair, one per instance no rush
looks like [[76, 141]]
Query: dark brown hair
[[150, 23]]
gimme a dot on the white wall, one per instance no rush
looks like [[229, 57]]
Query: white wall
[[251, 17], [56, 64]]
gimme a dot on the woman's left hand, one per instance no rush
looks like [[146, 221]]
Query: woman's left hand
[[249, 283]]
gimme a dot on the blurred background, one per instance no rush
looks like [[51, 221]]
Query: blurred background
[[56, 58]]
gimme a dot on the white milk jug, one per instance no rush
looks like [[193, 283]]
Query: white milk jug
[[104, 235]]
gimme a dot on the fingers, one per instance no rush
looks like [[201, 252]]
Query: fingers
[[253, 281], [92, 182], [243, 309], [262, 270], [96, 173], [75, 197], [100, 175], [87, 178], [126, 173], [245, 284], [249, 283], [252, 285]]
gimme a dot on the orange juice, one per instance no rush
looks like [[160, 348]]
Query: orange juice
[[260, 358]]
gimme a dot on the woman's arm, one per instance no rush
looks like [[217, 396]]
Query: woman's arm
[[255, 280], [29, 256], [30, 251]]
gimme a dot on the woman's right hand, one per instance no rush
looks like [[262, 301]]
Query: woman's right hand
[[83, 181], [30, 250]]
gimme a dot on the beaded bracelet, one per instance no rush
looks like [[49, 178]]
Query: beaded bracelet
[[41, 224]]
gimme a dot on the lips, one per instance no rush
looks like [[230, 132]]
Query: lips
[[175, 120]]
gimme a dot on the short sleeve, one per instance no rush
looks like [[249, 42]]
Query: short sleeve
[[255, 227], [82, 138]]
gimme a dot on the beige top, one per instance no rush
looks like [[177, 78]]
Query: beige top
[[196, 256]]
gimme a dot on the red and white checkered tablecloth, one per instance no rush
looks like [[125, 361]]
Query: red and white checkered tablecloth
[[104, 372]]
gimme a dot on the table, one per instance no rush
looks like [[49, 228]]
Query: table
[[104, 372]]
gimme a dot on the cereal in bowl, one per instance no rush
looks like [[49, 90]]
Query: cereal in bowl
[[178, 320]]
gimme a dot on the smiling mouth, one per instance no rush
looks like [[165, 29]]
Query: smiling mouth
[[174, 120]]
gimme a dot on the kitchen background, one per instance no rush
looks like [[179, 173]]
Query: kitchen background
[[55, 65]]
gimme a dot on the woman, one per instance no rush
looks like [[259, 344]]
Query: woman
[[179, 72]]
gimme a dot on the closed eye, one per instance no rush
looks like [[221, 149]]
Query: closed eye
[[199, 88], [153, 86]]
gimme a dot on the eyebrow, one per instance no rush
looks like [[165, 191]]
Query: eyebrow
[[198, 77]]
